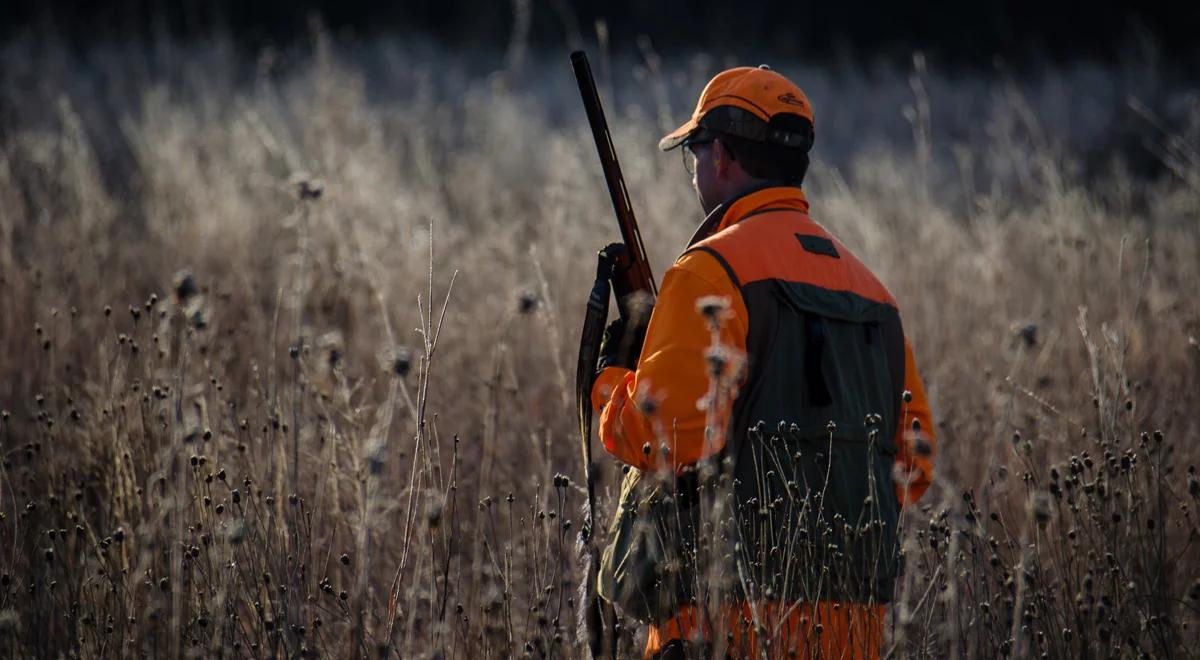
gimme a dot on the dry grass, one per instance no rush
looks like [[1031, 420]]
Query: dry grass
[[286, 364]]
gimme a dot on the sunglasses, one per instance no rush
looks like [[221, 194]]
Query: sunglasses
[[688, 150]]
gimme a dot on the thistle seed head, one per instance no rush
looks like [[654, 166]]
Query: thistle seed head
[[713, 308]]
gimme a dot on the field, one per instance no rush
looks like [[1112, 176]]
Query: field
[[287, 345]]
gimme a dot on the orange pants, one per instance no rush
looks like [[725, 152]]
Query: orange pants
[[802, 630]]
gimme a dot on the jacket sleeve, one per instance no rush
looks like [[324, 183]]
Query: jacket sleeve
[[915, 437], [655, 417]]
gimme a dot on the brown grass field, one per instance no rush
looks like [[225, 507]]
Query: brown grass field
[[286, 362]]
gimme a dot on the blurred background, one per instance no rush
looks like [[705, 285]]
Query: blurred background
[[1023, 33], [1077, 70]]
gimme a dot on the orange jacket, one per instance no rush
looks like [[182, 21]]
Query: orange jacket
[[664, 399]]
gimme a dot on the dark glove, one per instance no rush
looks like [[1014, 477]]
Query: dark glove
[[621, 345]]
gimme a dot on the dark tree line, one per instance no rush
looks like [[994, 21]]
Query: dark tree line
[[1021, 32]]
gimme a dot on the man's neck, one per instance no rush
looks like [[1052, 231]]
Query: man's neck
[[715, 215], [749, 186]]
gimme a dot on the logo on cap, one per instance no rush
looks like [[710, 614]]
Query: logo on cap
[[790, 99]]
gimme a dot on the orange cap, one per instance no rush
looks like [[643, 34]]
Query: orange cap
[[743, 102]]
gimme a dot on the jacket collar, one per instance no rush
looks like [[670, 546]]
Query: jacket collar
[[760, 198]]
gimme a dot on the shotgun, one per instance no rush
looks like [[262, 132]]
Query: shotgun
[[625, 271]]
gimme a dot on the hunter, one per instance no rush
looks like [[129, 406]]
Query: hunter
[[824, 432]]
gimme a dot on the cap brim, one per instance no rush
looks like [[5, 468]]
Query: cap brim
[[677, 136]]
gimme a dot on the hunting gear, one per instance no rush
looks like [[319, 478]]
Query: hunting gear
[[770, 411]]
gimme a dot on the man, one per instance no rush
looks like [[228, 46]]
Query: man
[[774, 357]]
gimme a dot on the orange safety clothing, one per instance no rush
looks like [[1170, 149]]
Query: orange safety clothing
[[755, 96], [655, 416], [805, 630]]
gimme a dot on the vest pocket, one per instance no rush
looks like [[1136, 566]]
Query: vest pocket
[[816, 499]]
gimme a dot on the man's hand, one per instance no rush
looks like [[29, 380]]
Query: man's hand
[[621, 346]]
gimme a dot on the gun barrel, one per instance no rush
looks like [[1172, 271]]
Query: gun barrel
[[638, 277]]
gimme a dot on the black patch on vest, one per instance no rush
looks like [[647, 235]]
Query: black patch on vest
[[818, 245]]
